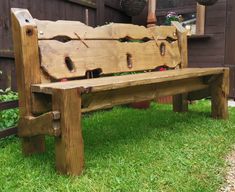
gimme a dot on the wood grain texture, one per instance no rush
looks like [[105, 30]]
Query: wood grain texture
[[219, 96], [108, 56], [46, 124], [27, 69], [108, 99], [201, 19], [69, 147], [118, 82], [49, 30]]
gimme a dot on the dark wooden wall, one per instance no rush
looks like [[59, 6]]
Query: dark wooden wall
[[230, 43], [216, 51], [91, 13]]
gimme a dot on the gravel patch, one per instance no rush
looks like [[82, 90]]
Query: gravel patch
[[230, 176]]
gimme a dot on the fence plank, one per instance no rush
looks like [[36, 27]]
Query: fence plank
[[9, 105], [8, 132]]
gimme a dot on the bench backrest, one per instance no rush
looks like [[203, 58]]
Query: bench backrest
[[70, 49]]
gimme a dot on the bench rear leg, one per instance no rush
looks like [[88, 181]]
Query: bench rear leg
[[219, 96], [180, 103], [69, 146], [32, 145]]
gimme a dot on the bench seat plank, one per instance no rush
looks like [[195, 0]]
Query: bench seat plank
[[118, 82]]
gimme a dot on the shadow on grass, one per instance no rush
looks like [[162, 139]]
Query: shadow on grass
[[108, 131]]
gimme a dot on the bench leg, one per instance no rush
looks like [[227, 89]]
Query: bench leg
[[219, 96], [32, 145], [180, 103], [69, 146]]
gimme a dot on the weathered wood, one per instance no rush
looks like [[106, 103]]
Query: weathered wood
[[41, 103], [151, 19], [219, 94], [92, 101], [180, 103], [69, 147], [49, 30], [107, 99], [183, 45], [107, 56], [27, 69], [46, 124], [201, 16], [118, 82]]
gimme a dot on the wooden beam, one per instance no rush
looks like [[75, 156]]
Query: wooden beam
[[180, 103], [118, 82], [200, 24], [69, 147], [108, 99], [41, 103], [219, 94], [46, 124], [27, 68]]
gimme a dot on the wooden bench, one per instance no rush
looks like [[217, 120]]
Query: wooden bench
[[57, 62]]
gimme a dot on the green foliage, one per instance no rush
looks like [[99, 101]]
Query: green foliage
[[8, 118], [132, 150]]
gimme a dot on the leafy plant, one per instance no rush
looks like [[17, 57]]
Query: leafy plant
[[9, 117]]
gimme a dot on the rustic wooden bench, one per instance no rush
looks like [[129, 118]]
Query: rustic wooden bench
[[58, 63]]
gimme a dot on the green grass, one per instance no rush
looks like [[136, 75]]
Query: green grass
[[132, 150]]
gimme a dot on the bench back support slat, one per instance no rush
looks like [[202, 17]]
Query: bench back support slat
[[48, 30], [71, 50], [74, 59]]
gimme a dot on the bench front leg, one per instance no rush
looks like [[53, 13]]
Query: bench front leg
[[219, 96], [69, 146]]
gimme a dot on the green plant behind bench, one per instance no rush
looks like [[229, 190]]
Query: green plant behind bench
[[8, 118]]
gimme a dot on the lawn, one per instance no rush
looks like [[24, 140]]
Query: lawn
[[132, 150]]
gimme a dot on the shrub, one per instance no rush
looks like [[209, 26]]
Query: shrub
[[8, 118]]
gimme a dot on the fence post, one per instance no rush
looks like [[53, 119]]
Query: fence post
[[100, 8]]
